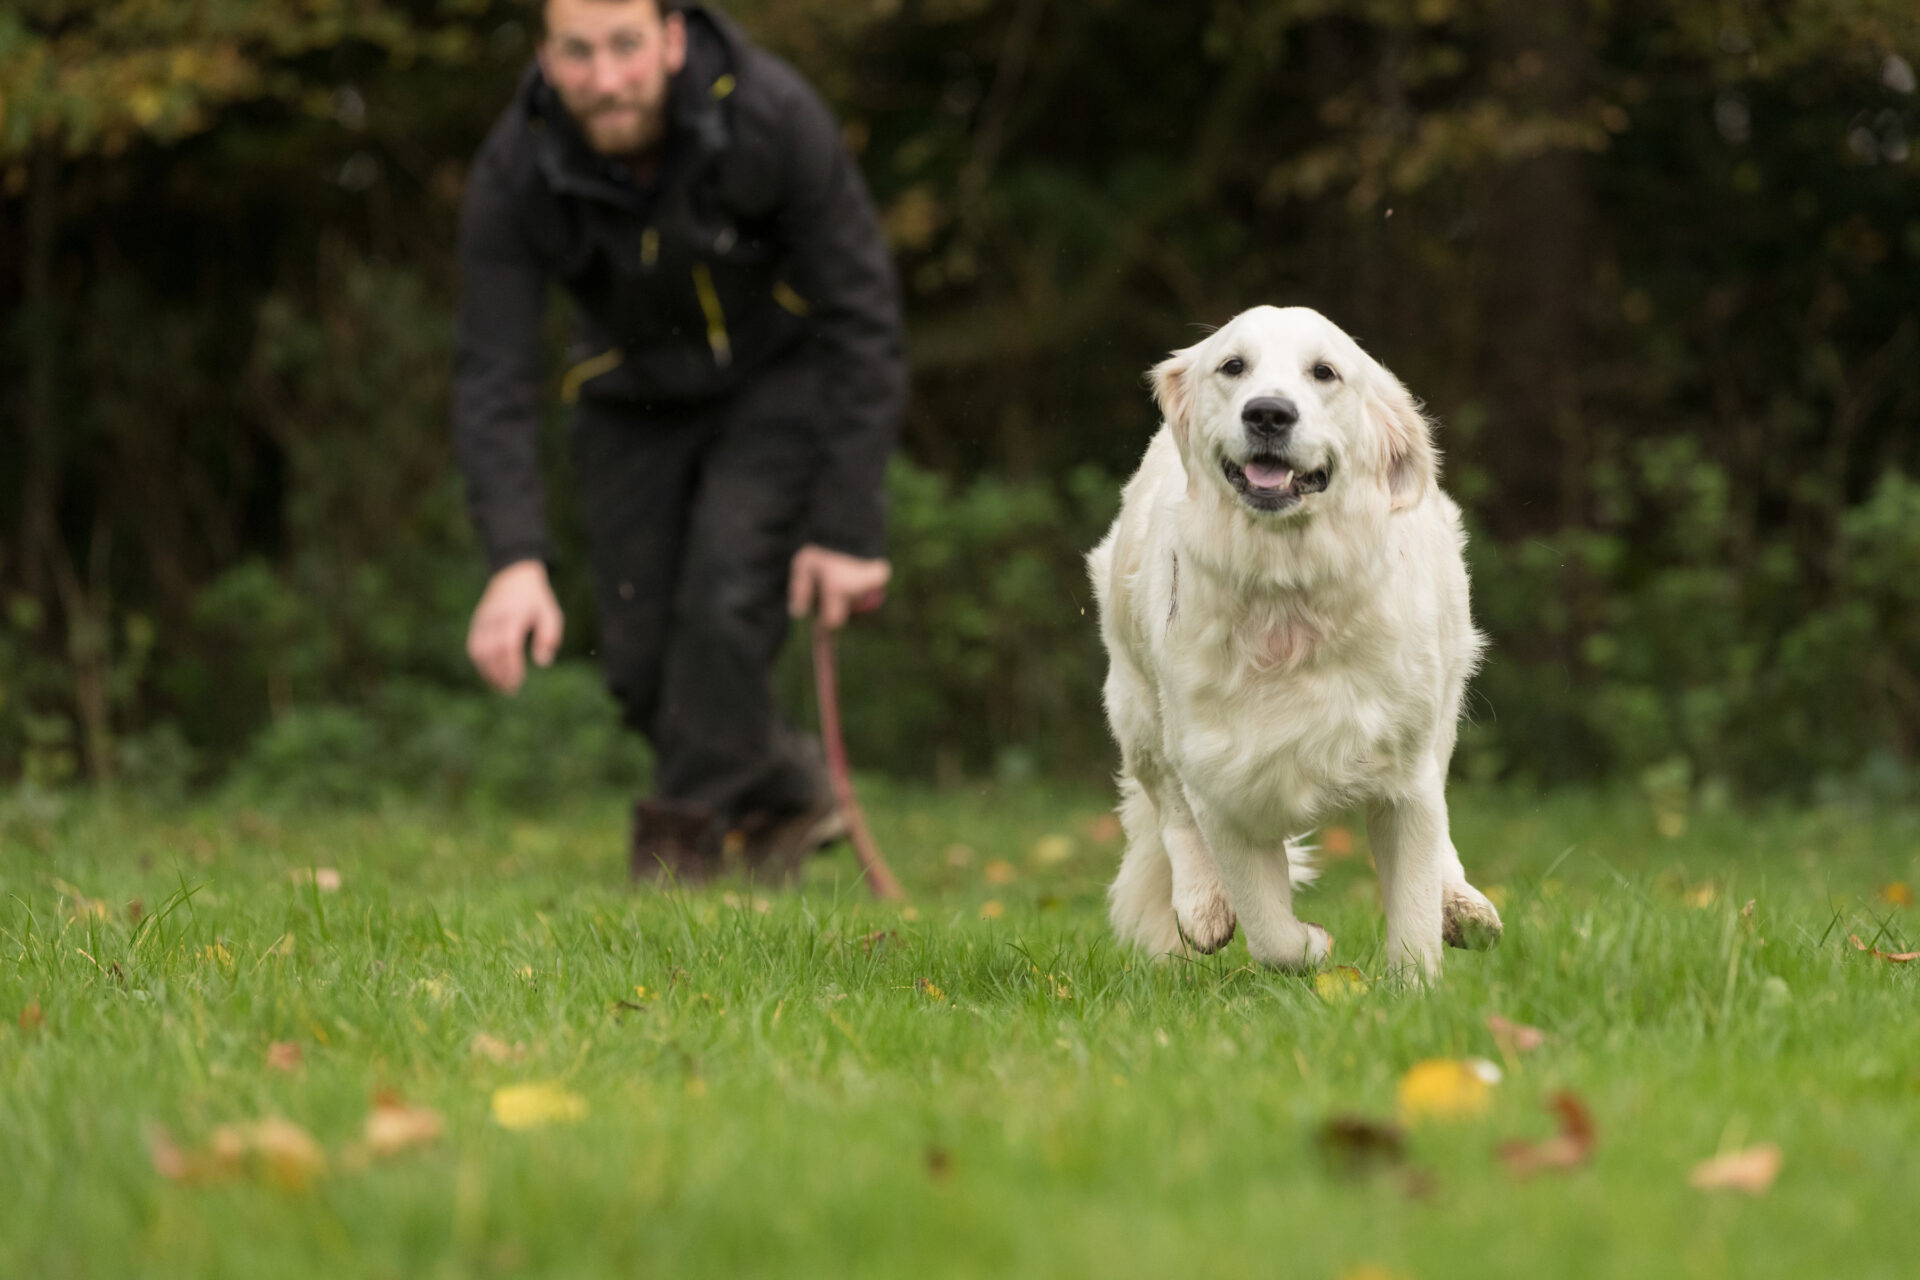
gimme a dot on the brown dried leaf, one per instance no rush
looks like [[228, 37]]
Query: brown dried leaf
[[878, 938], [325, 879], [1893, 957], [1751, 1170], [1104, 829], [1514, 1037], [31, 1019], [1000, 871], [276, 1149], [284, 1055], [1337, 842], [1568, 1149], [496, 1050], [1353, 1145], [393, 1126]]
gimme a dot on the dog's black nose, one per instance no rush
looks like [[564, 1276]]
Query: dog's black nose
[[1269, 416]]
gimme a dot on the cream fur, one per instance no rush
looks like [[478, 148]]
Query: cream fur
[[1268, 669]]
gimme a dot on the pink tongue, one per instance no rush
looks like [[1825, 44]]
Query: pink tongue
[[1266, 475]]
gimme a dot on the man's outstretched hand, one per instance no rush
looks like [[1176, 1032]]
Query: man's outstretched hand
[[517, 603], [835, 586]]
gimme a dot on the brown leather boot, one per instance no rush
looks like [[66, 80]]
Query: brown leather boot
[[673, 844], [778, 844]]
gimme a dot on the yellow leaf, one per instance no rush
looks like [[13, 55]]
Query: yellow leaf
[[1342, 982], [1898, 894], [1049, 851], [536, 1103], [1446, 1088], [991, 909], [927, 985]]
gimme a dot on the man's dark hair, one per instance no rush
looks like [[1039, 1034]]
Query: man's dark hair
[[539, 8]]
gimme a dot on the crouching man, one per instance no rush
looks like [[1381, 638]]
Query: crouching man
[[737, 381]]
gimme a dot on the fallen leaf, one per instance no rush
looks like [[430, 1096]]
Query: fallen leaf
[[1000, 871], [1514, 1037], [393, 1126], [1898, 894], [1446, 1088], [536, 1103], [991, 909], [1337, 841], [1703, 895], [1341, 982], [927, 987], [284, 1055], [1354, 1145], [1752, 1170], [135, 910], [1895, 957], [939, 1163], [878, 938], [1051, 851], [170, 1161], [325, 879], [909, 914], [279, 1150], [1104, 829], [31, 1019], [1570, 1147], [959, 856]]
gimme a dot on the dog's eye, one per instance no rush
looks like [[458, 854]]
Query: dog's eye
[[1324, 372], [1234, 367]]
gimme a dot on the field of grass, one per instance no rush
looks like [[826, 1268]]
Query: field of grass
[[805, 1083]]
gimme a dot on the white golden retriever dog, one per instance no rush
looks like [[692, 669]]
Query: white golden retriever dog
[[1284, 606]]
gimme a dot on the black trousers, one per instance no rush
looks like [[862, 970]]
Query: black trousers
[[693, 514]]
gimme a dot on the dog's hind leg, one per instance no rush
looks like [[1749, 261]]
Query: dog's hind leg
[[1140, 902]]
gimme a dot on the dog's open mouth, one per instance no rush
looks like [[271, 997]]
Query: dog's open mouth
[[1269, 484]]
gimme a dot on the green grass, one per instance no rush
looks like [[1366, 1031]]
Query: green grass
[[793, 1096]]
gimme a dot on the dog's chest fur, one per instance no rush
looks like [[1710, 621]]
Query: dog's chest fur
[[1277, 713]]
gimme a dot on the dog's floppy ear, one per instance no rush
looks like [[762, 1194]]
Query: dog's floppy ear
[[1172, 385], [1405, 437]]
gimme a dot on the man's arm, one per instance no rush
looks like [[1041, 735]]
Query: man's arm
[[496, 430], [839, 263], [496, 374]]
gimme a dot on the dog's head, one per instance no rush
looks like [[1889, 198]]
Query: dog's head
[[1283, 413]]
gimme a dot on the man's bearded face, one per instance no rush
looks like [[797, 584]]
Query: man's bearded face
[[611, 62]]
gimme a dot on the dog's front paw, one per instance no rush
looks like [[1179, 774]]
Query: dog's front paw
[[1206, 921], [1300, 952], [1467, 920]]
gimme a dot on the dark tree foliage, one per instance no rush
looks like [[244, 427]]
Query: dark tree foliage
[[1652, 265]]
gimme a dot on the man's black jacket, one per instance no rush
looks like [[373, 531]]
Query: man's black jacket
[[756, 236]]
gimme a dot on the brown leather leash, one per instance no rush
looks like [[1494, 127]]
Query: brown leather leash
[[826, 683]]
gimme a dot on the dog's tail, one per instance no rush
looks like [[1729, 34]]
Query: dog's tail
[[1302, 869]]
